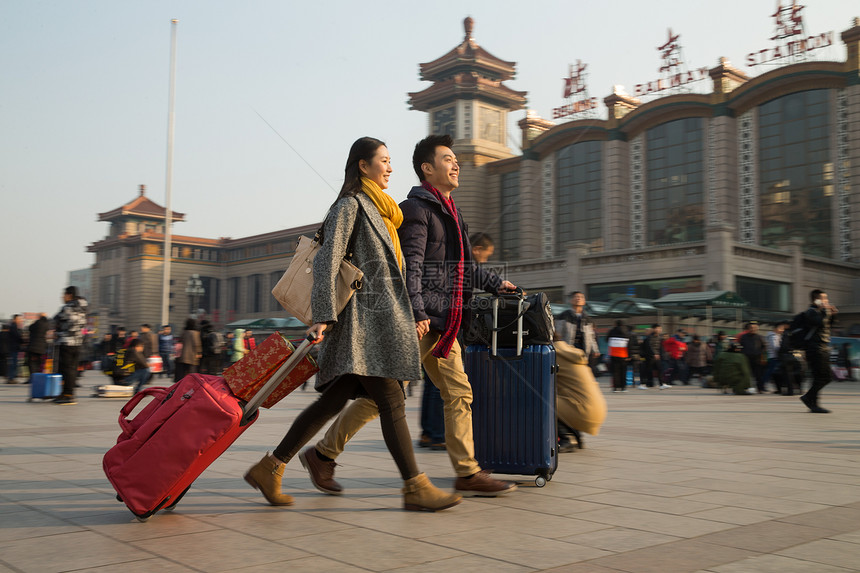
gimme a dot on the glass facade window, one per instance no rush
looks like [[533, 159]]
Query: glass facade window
[[274, 277], [767, 295], [578, 208], [255, 293], [649, 289], [675, 174], [509, 242], [795, 171], [234, 294]]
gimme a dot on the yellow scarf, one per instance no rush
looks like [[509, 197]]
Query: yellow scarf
[[390, 212]]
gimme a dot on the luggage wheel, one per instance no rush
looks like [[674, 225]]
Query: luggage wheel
[[142, 519], [172, 506], [540, 481]]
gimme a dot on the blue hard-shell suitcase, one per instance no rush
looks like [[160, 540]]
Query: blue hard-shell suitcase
[[44, 386], [513, 410]]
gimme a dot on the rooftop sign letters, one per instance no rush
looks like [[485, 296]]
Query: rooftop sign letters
[[575, 87], [675, 72], [790, 38]]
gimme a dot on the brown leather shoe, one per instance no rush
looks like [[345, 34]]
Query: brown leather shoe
[[321, 473], [482, 485]]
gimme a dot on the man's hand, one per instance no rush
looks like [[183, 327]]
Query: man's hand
[[507, 286], [422, 327]]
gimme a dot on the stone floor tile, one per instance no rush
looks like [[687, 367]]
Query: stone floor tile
[[826, 551], [587, 567], [851, 537], [775, 505], [776, 564], [142, 566], [33, 524], [678, 557], [674, 505], [518, 545], [619, 539], [313, 564], [218, 550], [736, 515], [371, 549], [470, 563], [664, 523], [839, 519], [766, 537], [68, 551]]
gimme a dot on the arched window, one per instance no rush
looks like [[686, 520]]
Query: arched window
[[578, 209], [674, 188], [795, 171]]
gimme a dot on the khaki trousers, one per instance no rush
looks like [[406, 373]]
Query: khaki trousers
[[450, 377]]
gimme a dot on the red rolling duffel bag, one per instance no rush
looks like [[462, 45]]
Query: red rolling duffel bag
[[168, 444]]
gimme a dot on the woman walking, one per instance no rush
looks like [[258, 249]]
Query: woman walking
[[189, 359], [372, 345]]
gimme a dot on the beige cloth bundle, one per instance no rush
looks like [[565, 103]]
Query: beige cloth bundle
[[580, 403]]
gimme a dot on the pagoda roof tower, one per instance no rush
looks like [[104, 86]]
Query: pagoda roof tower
[[141, 207], [467, 72]]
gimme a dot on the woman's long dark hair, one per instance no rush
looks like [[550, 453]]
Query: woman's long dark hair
[[363, 148]]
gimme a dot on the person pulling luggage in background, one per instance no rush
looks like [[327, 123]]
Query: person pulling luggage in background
[[576, 328]]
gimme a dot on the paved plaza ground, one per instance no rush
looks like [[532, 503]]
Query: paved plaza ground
[[684, 479]]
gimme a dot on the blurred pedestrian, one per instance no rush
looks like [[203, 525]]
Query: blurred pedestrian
[[150, 341], [753, 347], [38, 344], [698, 356], [188, 361], [618, 341], [69, 324], [16, 341], [818, 318], [165, 349]]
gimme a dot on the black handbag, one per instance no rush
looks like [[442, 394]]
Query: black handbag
[[536, 326]]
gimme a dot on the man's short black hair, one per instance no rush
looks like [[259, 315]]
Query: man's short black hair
[[815, 293], [481, 240], [573, 293], [655, 326], [425, 151], [71, 290]]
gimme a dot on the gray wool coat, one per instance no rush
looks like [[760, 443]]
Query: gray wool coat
[[375, 334]]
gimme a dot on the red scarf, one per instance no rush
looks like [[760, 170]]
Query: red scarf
[[455, 313]]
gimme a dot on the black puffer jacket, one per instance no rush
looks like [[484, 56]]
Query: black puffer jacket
[[428, 237]]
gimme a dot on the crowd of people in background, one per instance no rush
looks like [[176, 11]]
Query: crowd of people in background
[[129, 357], [748, 363]]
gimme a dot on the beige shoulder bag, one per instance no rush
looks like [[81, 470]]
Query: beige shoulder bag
[[294, 289]]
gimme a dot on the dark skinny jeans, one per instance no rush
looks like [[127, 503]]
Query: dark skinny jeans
[[388, 395]]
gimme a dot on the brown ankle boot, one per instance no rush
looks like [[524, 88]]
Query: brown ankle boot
[[266, 476], [421, 495]]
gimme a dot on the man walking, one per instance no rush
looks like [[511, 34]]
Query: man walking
[[575, 327], [819, 320], [69, 324], [753, 347]]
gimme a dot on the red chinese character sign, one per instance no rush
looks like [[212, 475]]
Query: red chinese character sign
[[791, 43], [671, 53], [676, 76], [574, 83], [789, 21], [576, 92]]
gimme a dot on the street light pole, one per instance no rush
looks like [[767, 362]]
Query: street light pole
[[168, 212]]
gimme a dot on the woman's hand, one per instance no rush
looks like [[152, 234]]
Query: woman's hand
[[316, 331]]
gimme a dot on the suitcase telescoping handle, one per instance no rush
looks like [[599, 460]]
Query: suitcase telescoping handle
[[250, 409], [521, 308]]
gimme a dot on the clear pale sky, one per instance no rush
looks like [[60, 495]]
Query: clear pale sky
[[83, 100]]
